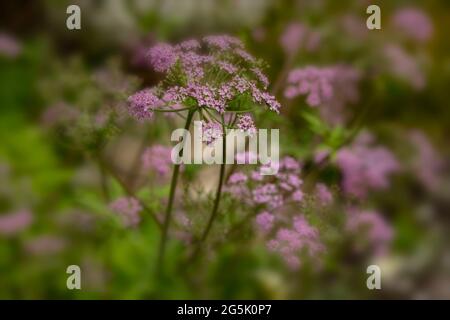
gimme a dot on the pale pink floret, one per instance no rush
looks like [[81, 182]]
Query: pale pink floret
[[413, 23], [128, 209], [15, 222]]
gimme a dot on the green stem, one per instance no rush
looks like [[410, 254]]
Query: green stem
[[173, 185], [172, 110], [215, 209]]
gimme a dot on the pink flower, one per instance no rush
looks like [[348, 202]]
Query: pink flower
[[292, 37], [157, 158], [45, 245], [264, 221], [9, 46], [211, 132], [413, 23], [404, 66], [128, 208], [246, 158], [140, 104], [428, 164], [365, 167], [296, 36], [14, 223], [246, 124], [162, 57], [323, 194], [328, 87], [373, 226], [223, 42], [290, 242]]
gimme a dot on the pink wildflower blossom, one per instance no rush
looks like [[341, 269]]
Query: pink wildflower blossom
[[128, 208]]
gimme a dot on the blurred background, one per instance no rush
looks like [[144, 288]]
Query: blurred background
[[70, 154]]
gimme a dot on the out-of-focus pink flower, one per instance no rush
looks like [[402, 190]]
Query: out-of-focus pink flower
[[259, 34], [331, 88], [404, 66], [247, 157], [365, 167], [290, 242], [60, 113], [354, 26], [323, 194], [9, 46], [45, 245], [14, 223], [157, 158], [373, 226], [428, 163], [128, 208], [297, 36], [413, 23], [264, 221]]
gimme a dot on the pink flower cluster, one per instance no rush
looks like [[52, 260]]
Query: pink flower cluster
[[296, 36], [157, 158], [128, 208], [372, 226], [329, 87], [404, 66], [13, 223], [271, 192], [291, 242], [213, 75], [211, 132], [287, 235], [245, 124], [413, 23], [365, 167], [9, 45], [427, 164], [323, 194]]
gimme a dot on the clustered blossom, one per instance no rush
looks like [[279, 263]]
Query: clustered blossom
[[245, 124], [323, 194], [9, 46], [45, 245], [162, 57], [269, 191], [413, 23], [265, 221], [14, 223], [212, 73], [291, 242], [128, 208], [365, 167], [404, 66], [372, 226], [297, 36], [331, 88], [141, 103], [157, 158], [211, 132], [427, 163], [269, 195]]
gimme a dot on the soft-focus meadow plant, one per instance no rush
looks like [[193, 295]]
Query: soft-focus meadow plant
[[87, 176]]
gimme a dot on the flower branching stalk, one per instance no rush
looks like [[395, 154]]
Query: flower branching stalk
[[215, 208], [168, 214]]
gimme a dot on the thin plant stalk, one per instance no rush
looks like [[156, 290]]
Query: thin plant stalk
[[168, 214], [215, 208]]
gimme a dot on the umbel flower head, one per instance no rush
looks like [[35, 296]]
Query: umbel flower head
[[215, 74]]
